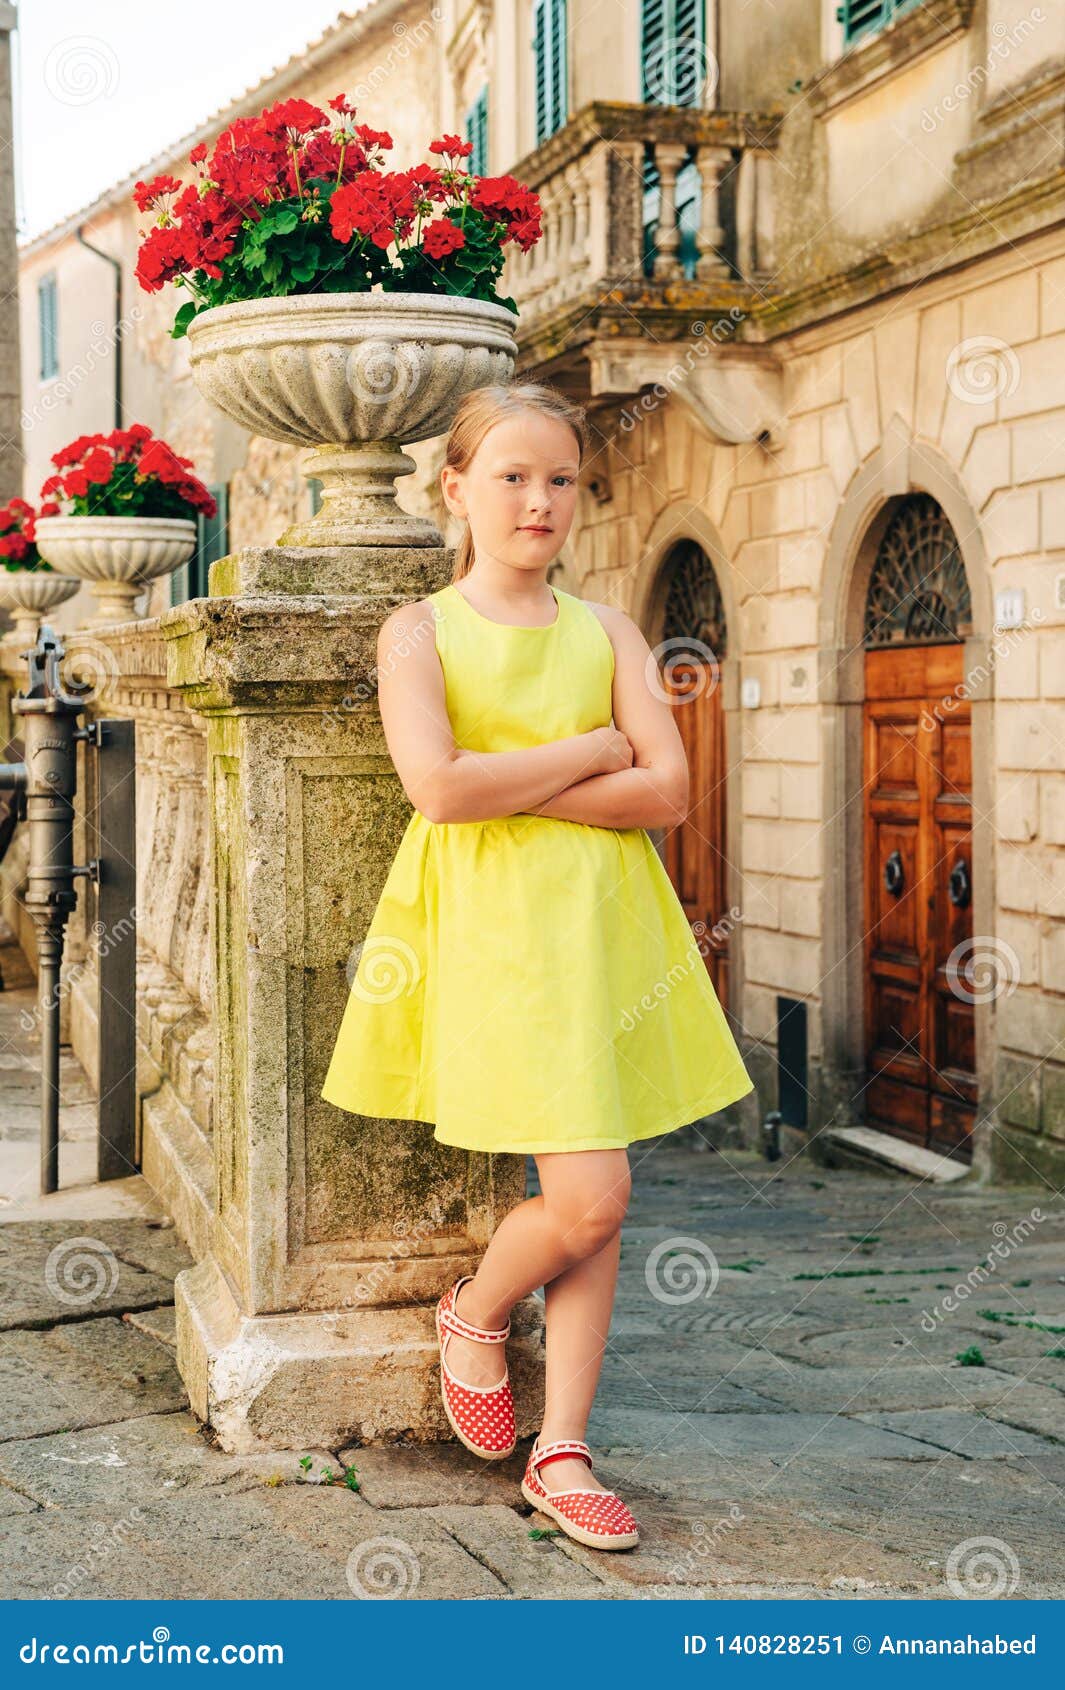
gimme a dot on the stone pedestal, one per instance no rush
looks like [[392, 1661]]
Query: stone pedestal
[[310, 1322]]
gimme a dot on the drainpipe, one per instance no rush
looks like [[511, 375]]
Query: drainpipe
[[118, 318]]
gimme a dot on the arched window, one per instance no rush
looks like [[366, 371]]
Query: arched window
[[693, 610], [918, 592]]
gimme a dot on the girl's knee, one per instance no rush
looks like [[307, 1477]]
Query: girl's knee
[[589, 1221]]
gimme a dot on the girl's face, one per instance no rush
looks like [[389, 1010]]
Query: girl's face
[[519, 492]]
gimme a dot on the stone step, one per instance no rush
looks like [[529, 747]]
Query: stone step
[[881, 1148]]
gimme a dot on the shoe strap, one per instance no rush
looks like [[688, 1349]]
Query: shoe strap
[[538, 1455], [465, 1329], [586, 1491]]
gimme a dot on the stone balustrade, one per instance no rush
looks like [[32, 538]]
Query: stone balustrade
[[175, 992], [643, 196]]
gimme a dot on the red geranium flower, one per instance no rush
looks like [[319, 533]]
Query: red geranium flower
[[98, 465], [230, 232], [297, 116], [149, 193], [442, 237], [127, 473], [453, 145]]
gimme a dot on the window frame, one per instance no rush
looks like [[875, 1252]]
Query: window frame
[[48, 326]]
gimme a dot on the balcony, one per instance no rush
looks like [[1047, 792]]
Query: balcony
[[645, 204], [657, 222]]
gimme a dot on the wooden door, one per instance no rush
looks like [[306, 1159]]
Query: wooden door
[[921, 1083], [695, 851]]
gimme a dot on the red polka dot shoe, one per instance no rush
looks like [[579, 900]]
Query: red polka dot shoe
[[598, 1518], [481, 1416]]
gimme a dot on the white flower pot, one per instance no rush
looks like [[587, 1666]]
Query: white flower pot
[[28, 593], [117, 555], [352, 375]]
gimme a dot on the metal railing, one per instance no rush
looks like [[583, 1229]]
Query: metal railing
[[46, 784]]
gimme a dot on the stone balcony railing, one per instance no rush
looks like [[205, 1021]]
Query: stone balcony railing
[[638, 199]]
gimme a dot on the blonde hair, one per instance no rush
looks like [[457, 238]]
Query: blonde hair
[[481, 410]]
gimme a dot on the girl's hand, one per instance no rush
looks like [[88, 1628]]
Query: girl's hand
[[613, 750]]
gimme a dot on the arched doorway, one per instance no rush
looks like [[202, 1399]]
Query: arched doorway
[[921, 1080], [693, 644]]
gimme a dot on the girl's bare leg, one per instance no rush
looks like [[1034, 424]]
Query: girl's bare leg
[[567, 1240], [579, 1303]]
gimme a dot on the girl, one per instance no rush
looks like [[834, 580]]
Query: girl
[[529, 982]]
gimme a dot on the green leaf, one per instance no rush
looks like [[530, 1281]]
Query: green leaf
[[184, 317]]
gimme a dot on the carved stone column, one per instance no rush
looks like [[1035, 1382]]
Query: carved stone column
[[669, 156], [310, 1320], [711, 163]]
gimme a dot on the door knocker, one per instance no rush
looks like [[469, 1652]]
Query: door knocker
[[959, 888], [893, 874]]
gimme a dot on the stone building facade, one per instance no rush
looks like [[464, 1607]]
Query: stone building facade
[[811, 289]]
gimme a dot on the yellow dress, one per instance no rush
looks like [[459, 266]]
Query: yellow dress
[[528, 984]]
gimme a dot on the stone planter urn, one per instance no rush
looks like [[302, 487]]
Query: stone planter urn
[[28, 593], [116, 555], [352, 376]]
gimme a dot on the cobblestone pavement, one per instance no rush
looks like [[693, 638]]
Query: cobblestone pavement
[[806, 1428], [785, 1403]]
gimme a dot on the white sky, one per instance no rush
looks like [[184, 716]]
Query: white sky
[[101, 86]]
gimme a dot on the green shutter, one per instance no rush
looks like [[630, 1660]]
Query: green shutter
[[863, 17], [48, 326], [477, 132], [551, 73], [673, 61], [212, 541], [559, 103], [674, 67]]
